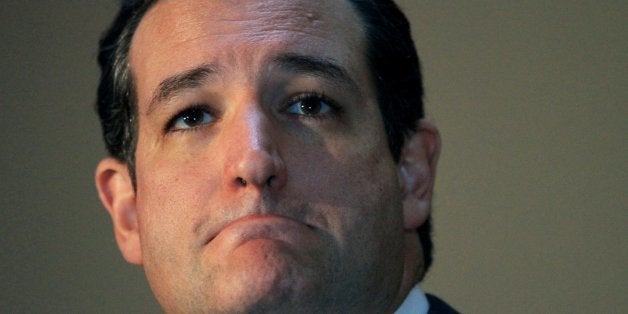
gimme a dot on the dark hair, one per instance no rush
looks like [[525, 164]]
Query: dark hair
[[391, 54], [395, 67]]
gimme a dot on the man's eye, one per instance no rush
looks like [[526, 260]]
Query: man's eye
[[190, 118], [310, 105]]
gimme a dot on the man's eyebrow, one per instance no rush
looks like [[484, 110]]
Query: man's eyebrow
[[313, 65], [172, 85]]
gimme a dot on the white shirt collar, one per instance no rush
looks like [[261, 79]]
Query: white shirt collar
[[415, 302]]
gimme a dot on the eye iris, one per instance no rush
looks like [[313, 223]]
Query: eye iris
[[193, 117], [311, 105]]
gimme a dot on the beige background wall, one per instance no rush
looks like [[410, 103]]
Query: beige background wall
[[531, 214]]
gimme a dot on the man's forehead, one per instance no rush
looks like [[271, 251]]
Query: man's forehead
[[198, 30], [222, 17]]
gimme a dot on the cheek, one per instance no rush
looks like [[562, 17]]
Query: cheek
[[356, 163], [171, 168], [173, 192], [355, 178], [356, 189], [170, 202]]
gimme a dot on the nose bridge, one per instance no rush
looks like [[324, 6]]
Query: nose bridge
[[251, 132], [254, 156], [255, 129]]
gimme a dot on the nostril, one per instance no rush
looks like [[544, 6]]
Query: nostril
[[270, 180], [241, 181]]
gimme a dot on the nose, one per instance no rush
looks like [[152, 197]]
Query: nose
[[254, 160]]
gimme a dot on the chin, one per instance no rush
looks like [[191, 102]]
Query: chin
[[271, 279]]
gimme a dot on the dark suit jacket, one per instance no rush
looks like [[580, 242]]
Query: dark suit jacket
[[438, 306]]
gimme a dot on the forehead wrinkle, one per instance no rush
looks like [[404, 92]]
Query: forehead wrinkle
[[263, 20], [255, 18], [271, 13]]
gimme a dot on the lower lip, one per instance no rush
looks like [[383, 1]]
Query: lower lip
[[269, 227]]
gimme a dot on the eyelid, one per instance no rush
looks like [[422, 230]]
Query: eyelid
[[305, 95], [172, 121]]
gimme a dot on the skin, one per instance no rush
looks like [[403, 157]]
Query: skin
[[261, 206]]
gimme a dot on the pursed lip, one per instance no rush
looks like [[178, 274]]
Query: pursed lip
[[258, 226]]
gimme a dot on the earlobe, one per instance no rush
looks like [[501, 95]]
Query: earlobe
[[117, 194], [417, 170]]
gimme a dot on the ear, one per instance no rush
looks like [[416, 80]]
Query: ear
[[118, 195], [417, 170]]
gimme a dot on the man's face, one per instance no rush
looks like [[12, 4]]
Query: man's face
[[264, 177]]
